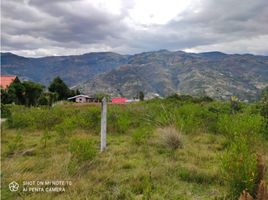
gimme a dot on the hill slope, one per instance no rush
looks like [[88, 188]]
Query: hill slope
[[214, 74], [72, 69]]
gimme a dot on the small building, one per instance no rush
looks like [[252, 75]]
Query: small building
[[5, 81], [81, 98], [119, 100]]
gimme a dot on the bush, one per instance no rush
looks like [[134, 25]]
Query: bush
[[170, 138], [82, 150], [5, 110], [239, 167], [119, 119], [140, 135], [89, 120], [66, 127], [247, 124], [190, 118], [15, 144]]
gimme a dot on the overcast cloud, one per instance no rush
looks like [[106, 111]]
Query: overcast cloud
[[63, 27]]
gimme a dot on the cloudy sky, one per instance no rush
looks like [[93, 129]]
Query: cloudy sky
[[62, 27]]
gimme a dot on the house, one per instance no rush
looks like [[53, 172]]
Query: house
[[119, 100], [5, 81], [81, 98]]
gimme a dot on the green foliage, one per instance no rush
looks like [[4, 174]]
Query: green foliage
[[5, 111], [140, 135], [25, 93], [35, 118], [46, 136], [264, 103], [247, 124], [82, 150], [14, 144], [59, 87], [119, 121], [239, 167], [32, 92], [16, 92], [65, 128], [47, 99], [89, 120], [141, 96], [100, 95], [195, 176], [235, 105]]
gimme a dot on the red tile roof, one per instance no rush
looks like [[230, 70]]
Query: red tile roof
[[119, 100], [5, 81]]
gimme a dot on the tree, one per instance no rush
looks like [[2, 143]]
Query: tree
[[33, 92], [99, 96], [16, 93], [47, 98], [5, 97], [141, 96], [74, 92], [59, 87]]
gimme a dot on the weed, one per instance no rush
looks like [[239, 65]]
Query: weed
[[82, 150], [170, 138], [239, 167], [14, 144]]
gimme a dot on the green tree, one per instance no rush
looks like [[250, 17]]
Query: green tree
[[32, 93], [141, 96], [59, 87], [47, 98], [99, 96], [16, 93], [5, 97]]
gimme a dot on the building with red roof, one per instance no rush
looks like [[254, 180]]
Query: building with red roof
[[119, 100], [5, 81]]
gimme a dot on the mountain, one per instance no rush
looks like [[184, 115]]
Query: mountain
[[72, 69], [214, 74], [163, 72]]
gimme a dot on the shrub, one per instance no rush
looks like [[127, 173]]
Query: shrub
[[45, 137], [82, 150], [189, 118], [140, 135], [5, 110], [66, 127], [243, 123], [15, 144], [89, 120], [119, 120], [170, 138], [239, 167]]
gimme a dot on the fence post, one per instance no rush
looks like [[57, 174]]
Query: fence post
[[103, 123]]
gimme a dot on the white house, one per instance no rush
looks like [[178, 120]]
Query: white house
[[81, 98]]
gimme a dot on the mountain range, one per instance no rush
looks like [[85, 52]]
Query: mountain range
[[161, 72]]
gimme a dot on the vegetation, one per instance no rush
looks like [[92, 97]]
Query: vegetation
[[29, 93], [180, 147], [61, 89]]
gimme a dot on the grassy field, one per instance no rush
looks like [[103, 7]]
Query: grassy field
[[159, 149]]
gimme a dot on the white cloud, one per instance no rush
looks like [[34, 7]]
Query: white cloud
[[40, 28]]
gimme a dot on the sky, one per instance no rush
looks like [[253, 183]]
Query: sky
[[36, 28]]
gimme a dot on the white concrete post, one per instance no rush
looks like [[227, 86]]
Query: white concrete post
[[103, 123]]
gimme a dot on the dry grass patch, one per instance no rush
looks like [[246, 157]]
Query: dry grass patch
[[170, 137]]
